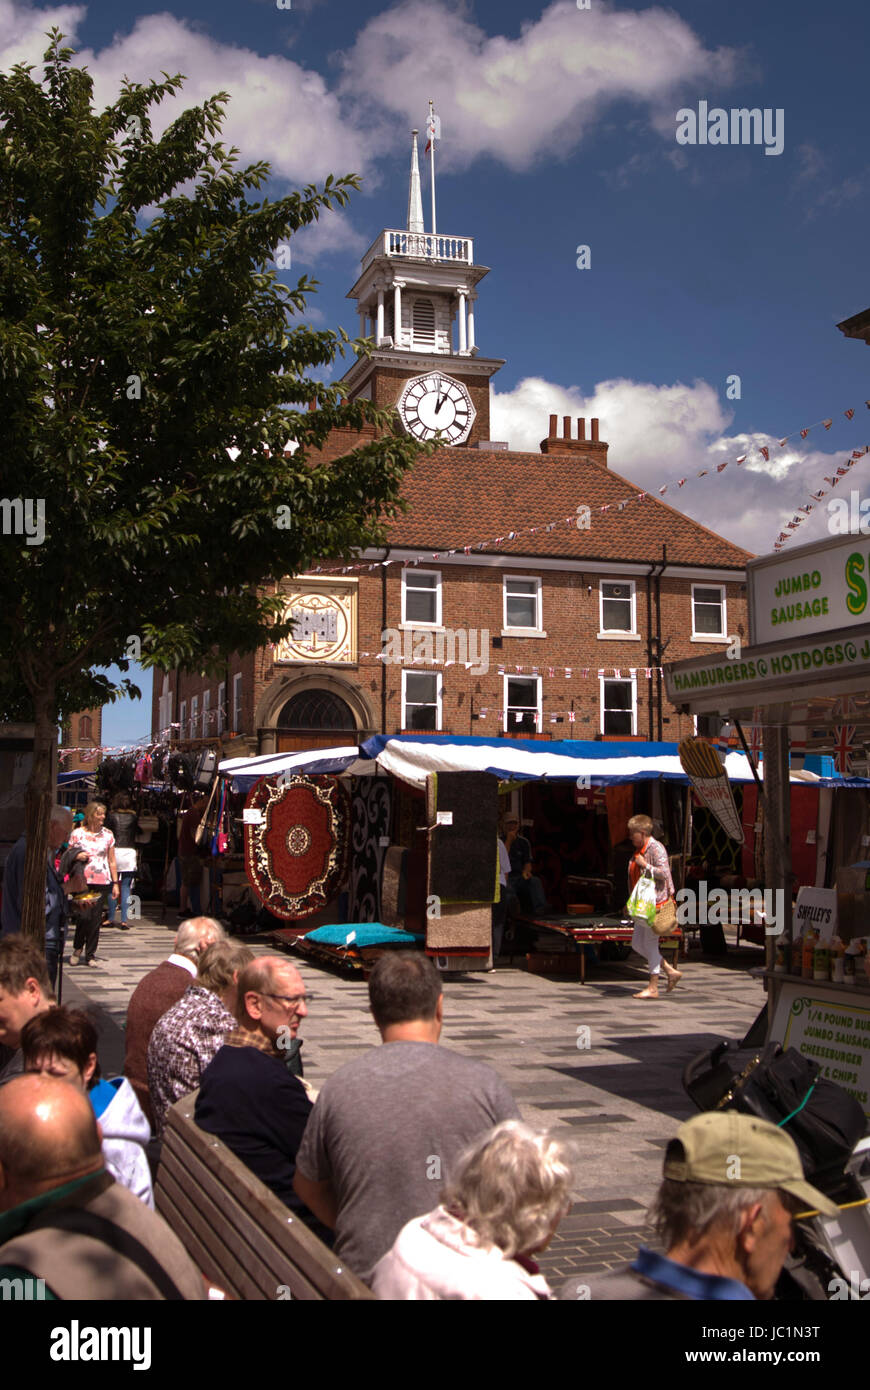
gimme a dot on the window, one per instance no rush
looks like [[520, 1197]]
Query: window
[[182, 719], [164, 715], [617, 605], [618, 707], [522, 704], [421, 597], [315, 709], [423, 323], [237, 704], [421, 700], [708, 611], [522, 603], [222, 707], [194, 716], [85, 726], [709, 725], [206, 713]]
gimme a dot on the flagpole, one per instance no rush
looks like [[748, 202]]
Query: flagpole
[[432, 157]]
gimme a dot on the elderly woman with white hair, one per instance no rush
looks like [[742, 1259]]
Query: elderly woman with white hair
[[500, 1208]]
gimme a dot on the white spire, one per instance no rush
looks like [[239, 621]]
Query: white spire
[[415, 196]]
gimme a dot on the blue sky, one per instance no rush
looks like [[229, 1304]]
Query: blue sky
[[558, 130]]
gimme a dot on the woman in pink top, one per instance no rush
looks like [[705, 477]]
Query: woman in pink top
[[101, 877], [651, 854]]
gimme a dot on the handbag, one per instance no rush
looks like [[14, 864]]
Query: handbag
[[665, 919]]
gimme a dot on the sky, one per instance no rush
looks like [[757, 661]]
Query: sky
[[559, 130]]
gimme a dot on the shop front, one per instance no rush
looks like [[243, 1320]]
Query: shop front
[[804, 682]]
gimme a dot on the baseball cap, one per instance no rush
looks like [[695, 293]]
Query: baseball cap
[[726, 1148]]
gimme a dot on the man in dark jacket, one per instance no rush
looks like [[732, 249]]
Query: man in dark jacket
[[247, 1097], [56, 911], [67, 1229]]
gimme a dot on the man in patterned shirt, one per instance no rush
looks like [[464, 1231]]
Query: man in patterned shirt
[[189, 1034]]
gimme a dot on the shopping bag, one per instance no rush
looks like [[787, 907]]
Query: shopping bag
[[642, 902]]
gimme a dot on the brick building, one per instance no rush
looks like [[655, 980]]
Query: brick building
[[556, 628], [82, 732]]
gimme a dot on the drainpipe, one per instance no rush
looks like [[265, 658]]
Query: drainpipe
[[658, 580], [649, 657], [383, 629]]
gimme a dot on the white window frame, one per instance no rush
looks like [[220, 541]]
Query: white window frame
[[439, 696], [417, 622], [221, 707], [538, 629], [520, 676], [206, 711], [621, 680], [624, 632], [182, 719], [194, 715], [711, 636], [237, 703]]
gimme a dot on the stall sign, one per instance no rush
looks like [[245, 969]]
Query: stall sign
[[710, 781], [767, 670], [817, 588], [817, 909], [831, 1030]]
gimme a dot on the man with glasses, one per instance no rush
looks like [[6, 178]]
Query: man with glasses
[[247, 1097]]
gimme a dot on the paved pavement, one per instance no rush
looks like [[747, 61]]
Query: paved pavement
[[614, 1090]]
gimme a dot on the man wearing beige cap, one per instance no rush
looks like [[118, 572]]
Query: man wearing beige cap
[[732, 1184]]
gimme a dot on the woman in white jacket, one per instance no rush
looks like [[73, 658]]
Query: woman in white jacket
[[502, 1206], [62, 1042]]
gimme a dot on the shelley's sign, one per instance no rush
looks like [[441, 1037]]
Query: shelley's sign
[[815, 588]]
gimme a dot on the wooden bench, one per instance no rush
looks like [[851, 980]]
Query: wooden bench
[[238, 1233]]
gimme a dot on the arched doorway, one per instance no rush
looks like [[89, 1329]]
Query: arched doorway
[[314, 718]]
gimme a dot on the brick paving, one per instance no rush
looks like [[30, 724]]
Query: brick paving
[[616, 1101]]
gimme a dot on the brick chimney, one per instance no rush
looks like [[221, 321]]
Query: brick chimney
[[555, 443]]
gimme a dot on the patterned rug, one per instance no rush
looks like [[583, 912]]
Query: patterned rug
[[371, 804], [296, 855]]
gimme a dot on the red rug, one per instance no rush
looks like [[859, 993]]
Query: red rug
[[296, 856]]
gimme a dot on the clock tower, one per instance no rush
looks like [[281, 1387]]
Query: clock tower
[[416, 295]]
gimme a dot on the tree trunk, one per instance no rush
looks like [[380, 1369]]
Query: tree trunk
[[37, 808]]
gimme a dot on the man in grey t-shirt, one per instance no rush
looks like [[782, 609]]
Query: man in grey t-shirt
[[387, 1126]]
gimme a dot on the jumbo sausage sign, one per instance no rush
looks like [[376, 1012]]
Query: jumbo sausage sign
[[816, 588]]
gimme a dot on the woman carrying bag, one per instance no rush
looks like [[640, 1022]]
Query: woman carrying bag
[[651, 858]]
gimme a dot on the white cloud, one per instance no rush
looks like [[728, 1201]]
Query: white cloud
[[533, 97], [23, 30], [659, 434]]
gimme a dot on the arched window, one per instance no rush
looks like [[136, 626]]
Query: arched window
[[85, 726], [423, 321], [316, 709]]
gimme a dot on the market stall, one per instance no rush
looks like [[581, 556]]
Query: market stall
[[805, 682], [573, 797]]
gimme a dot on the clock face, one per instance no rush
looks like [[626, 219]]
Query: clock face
[[436, 403]]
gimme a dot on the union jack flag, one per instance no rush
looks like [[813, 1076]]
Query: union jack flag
[[844, 748]]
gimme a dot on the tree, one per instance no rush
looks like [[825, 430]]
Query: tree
[[151, 380]]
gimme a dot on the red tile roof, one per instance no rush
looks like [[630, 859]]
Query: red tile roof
[[458, 497]]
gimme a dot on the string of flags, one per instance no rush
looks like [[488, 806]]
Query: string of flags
[[804, 510], [508, 668], [763, 451]]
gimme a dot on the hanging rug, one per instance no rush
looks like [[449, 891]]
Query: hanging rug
[[296, 855]]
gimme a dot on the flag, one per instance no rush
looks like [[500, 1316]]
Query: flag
[[844, 747], [742, 458], [720, 466], [433, 131], [827, 424], [848, 414], [765, 453], [681, 481], [783, 442], [804, 434]]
